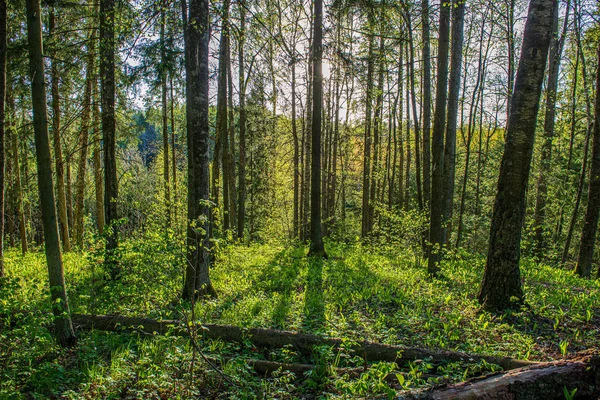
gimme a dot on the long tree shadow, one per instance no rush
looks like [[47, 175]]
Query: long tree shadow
[[314, 302]]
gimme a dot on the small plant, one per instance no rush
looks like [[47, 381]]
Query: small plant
[[564, 345], [569, 395]]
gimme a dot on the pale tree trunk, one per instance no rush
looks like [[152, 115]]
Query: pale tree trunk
[[501, 287], [58, 158], [97, 162], [64, 332]]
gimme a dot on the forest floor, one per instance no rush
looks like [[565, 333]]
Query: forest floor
[[359, 293]]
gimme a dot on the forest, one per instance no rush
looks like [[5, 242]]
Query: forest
[[299, 199]]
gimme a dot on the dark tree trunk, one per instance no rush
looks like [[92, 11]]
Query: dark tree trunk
[[556, 46], [107, 83], [501, 284], [590, 225], [230, 166], [64, 332], [221, 141], [426, 54], [3, 47], [316, 238], [241, 217], [18, 190], [58, 158], [458, 19], [437, 145], [197, 35], [164, 109], [417, 127]]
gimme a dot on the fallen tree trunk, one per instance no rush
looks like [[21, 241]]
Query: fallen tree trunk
[[302, 342], [546, 381]]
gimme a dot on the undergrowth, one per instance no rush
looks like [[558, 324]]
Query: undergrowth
[[360, 293]]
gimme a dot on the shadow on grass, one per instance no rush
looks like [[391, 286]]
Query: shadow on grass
[[314, 302]]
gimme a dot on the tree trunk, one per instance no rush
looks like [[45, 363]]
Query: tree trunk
[[316, 238], [58, 158], [458, 20], [590, 225], [164, 106], [426, 54], [60, 306], [197, 35], [107, 82], [367, 142], [377, 126], [437, 146], [242, 122], [556, 46], [97, 162], [83, 140], [3, 48], [17, 184], [501, 284], [230, 166], [221, 154]]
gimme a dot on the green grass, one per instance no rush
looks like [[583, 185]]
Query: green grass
[[359, 293]]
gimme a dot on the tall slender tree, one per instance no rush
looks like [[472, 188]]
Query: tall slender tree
[[317, 248], [437, 145], [58, 157], [197, 34], [64, 332], [3, 48], [501, 287], [590, 225], [107, 82]]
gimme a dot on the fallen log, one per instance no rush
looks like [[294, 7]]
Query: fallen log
[[546, 381], [302, 342]]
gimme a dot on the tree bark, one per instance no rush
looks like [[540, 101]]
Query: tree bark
[[458, 20], [590, 225], [367, 142], [501, 287], [317, 248], [84, 139], [3, 48], [64, 332], [556, 47], [241, 217], [426, 54], [164, 109], [97, 162], [58, 158], [197, 34], [302, 342], [437, 145], [107, 83]]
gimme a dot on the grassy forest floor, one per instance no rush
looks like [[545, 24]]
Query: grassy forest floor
[[359, 293]]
